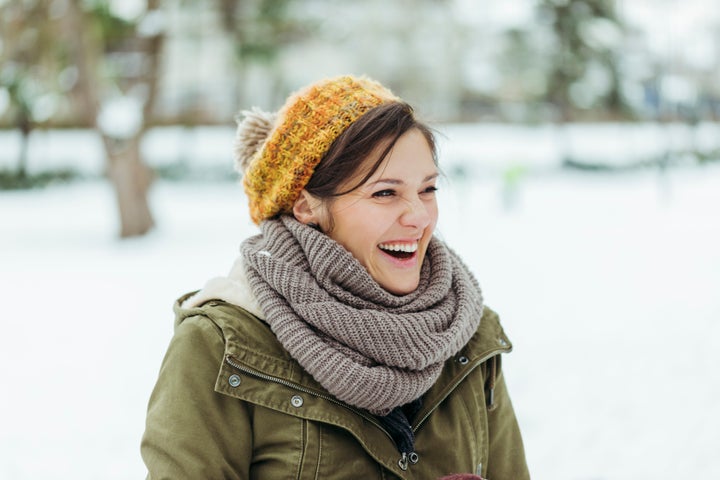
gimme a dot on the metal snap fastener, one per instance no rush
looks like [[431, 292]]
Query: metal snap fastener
[[234, 380], [502, 342], [297, 401], [463, 360], [414, 458]]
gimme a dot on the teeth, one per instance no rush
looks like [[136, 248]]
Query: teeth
[[399, 247]]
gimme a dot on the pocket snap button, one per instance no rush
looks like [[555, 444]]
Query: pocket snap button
[[234, 380]]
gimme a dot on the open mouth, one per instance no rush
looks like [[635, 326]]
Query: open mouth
[[401, 251]]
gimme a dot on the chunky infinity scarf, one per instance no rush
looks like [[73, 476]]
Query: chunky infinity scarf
[[367, 347]]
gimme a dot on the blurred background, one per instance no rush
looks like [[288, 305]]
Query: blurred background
[[138, 83], [581, 144]]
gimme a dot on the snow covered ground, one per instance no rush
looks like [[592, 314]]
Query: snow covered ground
[[608, 285]]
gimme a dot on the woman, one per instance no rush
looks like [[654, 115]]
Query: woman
[[347, 341]]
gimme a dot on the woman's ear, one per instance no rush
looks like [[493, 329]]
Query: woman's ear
[[307, 208]]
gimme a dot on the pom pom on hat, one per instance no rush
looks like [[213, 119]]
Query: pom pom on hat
[[278, 154], [252, 132]]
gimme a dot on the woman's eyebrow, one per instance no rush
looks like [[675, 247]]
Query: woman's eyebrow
[[396, 181]]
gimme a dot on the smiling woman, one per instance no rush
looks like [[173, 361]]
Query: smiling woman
[[387, 215], [347, 340]]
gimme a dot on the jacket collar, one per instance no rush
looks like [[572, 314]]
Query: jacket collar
[[233, 289], [250, 341]]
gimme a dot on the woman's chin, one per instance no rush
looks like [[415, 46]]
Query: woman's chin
[[398, 287]]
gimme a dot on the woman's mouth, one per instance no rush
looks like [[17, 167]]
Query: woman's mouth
[[400, 250]]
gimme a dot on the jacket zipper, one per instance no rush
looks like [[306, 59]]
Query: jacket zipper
[[455, 385], [230, 361]]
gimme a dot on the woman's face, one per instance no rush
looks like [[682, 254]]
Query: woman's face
[[388, 221]]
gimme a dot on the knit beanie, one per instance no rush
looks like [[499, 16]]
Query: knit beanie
[[277, 153]]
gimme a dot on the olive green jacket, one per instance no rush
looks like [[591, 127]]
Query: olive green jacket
[[230, 403]]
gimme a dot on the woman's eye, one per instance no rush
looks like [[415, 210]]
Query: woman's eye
[[432, 189], [384, 193]]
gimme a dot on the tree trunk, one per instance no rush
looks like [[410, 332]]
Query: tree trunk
[[131, 180], [129, 176], [25, 126]]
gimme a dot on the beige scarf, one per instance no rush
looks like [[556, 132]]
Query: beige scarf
[[367, 347]]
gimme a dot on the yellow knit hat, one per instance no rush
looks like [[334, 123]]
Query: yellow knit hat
[[278, 153]]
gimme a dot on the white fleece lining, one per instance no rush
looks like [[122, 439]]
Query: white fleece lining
[[234, 289]]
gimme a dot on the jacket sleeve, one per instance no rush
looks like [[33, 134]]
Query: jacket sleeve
[[507, 453], [192, 431]]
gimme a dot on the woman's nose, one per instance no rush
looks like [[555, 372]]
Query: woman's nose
[[416, 214]]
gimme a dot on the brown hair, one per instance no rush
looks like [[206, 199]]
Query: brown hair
[[346, 154]]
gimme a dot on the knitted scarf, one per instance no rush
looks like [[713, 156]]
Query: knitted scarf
[[367, 347]]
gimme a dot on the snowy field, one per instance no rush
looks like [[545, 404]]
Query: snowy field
[[608, 285]]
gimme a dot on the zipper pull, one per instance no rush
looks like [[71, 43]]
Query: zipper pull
[[403, 462], [411, 457]]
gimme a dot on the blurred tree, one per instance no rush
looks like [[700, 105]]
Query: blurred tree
[[117, 61], [260, 29], [78, 55], [521, 64], [20, 102], [583, 68], [29, 67]]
